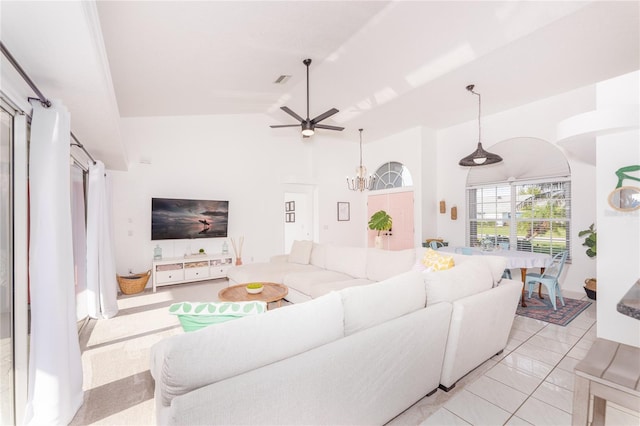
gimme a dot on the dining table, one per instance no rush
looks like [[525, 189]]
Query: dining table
[[522, 260]]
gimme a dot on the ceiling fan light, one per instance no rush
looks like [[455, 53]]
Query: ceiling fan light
[[307, 130]]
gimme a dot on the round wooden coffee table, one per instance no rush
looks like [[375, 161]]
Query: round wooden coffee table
[[272, 292]]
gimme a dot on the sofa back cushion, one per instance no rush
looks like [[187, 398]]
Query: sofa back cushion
[[465, 279], [369, 305], [496, 264], [193, 360], [301, 252], [348, 260], [319, 255], [383, 264]]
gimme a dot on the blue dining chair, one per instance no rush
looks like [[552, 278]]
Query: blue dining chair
[[549, 278], [435, 245]]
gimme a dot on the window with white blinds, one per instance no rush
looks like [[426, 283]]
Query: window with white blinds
[[528, 216]]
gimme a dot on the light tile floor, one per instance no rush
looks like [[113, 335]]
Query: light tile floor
[[530, 383]]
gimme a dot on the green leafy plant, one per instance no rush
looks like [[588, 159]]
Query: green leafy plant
[[590, 240], [201, 251], [380, 221]]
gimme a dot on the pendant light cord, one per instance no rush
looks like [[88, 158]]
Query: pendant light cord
[[470, 88], [360, 147]]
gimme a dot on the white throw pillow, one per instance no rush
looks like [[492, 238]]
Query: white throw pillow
[[301, 252], [369, 305]]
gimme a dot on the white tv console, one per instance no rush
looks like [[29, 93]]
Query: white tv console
[[191, 268]]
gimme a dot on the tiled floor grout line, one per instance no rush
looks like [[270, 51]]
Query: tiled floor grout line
[[548, 374]]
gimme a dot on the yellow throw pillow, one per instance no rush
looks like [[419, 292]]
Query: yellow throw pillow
[[434, 261]]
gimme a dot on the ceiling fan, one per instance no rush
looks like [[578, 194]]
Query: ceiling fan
[[309, 125]]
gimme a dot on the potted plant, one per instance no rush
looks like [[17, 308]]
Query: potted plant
[[380, 221], [590, 241]]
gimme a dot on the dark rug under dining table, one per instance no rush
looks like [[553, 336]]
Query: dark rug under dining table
[[541, 309]]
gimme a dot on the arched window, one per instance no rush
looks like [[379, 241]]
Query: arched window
[[392, 175], [524, 201]]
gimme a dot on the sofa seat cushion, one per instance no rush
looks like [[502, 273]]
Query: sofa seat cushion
[[324, 288], [369, 305], [183, 363], [383, 264], [470, 277], [305, 281], [266, 272]]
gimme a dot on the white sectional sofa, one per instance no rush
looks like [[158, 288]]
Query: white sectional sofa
[[361, 355], [312, 270]]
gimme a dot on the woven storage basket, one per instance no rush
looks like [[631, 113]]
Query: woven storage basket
[[134, 283]]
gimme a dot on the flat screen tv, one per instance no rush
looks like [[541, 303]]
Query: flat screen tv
[[173, 219]]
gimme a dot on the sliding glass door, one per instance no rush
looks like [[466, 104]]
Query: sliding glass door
[[7, 356]]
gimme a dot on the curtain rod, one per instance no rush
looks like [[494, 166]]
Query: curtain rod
[[41, 97]]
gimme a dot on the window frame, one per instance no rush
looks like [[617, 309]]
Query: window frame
[[472, 222]]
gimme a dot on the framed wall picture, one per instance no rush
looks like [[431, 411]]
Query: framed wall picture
[[343, 211], [290, 206], [290, 217]]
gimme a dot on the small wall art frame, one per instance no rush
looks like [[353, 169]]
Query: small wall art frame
[[344, 211], [290, 206], [290, 217]]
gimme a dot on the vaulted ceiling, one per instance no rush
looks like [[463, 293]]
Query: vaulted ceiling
[[386, 65]]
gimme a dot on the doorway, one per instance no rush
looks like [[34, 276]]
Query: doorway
[[298, 215], [399, 205]]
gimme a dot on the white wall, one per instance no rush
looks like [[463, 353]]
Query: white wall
[[618, 232], [538, 120], [235, 158]]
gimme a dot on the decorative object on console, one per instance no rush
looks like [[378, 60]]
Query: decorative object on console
[[157, 252], [225, 247], [590, 241], [344, 213], [309, 125], [443, 207], [133, 284], [237, 250], [380, 221], [361, 181], [479, 157]]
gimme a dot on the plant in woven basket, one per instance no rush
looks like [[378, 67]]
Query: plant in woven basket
[[590, 241]]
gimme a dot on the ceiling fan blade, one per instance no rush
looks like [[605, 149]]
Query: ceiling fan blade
[[324, 126], [291, 113], [324, 115], [275, 126]]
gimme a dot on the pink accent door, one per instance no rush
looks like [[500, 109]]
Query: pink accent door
[[399, 205]]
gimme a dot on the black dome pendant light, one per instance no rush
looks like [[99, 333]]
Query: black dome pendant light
[[479, 157]]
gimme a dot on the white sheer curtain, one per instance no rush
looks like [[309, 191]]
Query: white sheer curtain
[[79, 240], [55, 369], [102, 287]]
